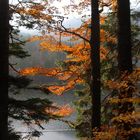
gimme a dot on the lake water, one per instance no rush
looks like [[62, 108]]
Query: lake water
[[54, 130]]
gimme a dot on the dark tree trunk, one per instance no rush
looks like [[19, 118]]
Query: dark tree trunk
[[4, 33], [95, 65], [125, 59], [124, 36]]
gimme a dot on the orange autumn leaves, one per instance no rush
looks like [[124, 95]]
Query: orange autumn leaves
[[125, 79], [62, 88], [37, 11], [64, 110], [73, 74], [56, 110], [77, 57], [39, 71], [55, 72]]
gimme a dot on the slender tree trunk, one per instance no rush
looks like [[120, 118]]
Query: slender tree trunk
[[4, 33], [95, 65], [125, 58], [124, 36]]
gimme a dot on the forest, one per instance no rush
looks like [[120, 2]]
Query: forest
[[70, 70]]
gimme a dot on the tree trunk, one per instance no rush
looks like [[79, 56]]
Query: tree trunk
[[95, 65], [4, 33], [124, 36], [125, 59]]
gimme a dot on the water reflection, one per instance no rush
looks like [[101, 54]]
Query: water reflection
[[70, 135], [52, 131]]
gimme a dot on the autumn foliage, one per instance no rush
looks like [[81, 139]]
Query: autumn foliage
[[77, 59]]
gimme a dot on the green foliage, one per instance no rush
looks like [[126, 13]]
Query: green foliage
[[16, 83], [31, 110], [19, 81], [16, 44], [15, 49], [83, 107]]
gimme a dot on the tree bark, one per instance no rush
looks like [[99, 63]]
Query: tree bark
[[4, 33], [95, 65], [125, 60], [124, 36]]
